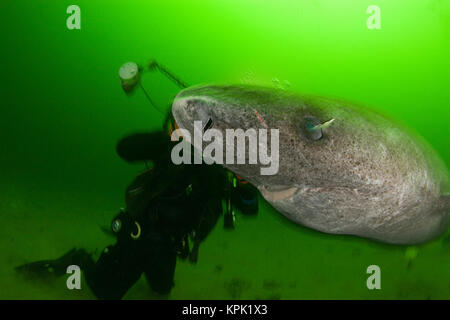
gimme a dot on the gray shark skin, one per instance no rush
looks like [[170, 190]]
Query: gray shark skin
[[365, 176]]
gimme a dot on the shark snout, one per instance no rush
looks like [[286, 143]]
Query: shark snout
[[188, 110]]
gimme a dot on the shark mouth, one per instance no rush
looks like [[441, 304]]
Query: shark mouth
[[278, 193]]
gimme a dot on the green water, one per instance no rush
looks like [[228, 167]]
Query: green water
[[62, 111]]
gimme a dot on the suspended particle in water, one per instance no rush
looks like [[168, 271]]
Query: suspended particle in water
[[284, 85], [248, 78], [410, 254]]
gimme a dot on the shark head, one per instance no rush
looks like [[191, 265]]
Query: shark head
[[305, 129]]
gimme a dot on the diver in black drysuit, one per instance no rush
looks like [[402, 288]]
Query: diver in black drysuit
[[167, 207]]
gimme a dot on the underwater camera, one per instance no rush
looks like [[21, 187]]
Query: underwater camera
[[130, 76]]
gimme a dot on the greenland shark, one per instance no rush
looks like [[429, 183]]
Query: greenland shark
[[343, 169]]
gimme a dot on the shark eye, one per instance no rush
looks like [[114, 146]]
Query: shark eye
[[206, 119], [310, 130], [208, 124]]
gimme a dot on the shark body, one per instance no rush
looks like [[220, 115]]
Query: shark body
[[360, 174]]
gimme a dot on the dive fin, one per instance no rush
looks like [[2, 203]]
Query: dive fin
[[49, 269]]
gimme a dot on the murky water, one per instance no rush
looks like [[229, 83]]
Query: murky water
[[63, 110]]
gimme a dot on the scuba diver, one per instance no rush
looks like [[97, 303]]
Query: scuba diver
[[170, 209]]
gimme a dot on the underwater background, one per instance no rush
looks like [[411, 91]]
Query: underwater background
[[63, 110]]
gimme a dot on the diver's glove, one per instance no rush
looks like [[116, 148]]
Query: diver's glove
[[47, 269]]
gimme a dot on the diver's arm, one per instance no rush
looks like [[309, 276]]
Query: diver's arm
[[152, 146]]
